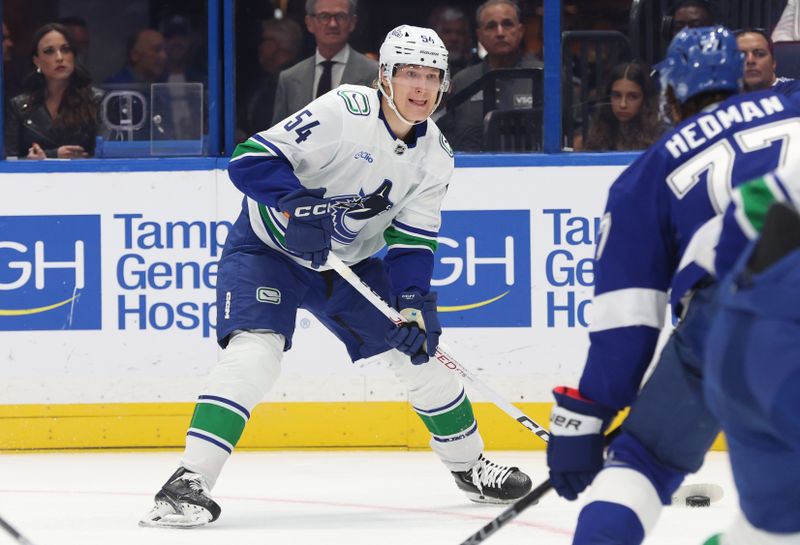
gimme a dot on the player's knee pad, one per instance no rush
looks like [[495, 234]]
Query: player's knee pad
[[430, 385], [247, 368], [622, 503]]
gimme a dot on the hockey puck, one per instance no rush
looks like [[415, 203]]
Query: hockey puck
[[698, 501]]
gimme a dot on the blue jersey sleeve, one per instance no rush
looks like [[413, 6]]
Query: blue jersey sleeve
[[635, 262], [261, 171], [410, 269]]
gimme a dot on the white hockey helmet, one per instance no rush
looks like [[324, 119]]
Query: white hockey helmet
[[416, 46]]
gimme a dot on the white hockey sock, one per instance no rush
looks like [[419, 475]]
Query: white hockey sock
[[247, 369], [439, 399], [625, 486]]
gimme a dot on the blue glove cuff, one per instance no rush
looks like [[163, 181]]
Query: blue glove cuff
[[572, 400]]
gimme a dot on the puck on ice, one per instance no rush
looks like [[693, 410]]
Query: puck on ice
[[698, 501]]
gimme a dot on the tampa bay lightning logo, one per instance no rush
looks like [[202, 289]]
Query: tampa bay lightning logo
[[361, 207]]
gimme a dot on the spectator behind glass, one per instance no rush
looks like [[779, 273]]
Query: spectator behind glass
[[334, 63], [500, 32], [452, 25], [80, 34], [8, 44], [57, 115], [146, 59], [179, 48], [788, 27], [10, 81], [759, 61], [280, 47], [629, 121], [691, 14]]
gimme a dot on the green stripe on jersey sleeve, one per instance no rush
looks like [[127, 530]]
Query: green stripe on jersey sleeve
[[393, 237], [756, 197], [252, 147], [266, 219]]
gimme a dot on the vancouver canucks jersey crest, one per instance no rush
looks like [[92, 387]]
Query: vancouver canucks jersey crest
[[350, 209]]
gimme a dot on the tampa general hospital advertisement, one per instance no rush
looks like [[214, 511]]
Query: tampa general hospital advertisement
[[107, 287]]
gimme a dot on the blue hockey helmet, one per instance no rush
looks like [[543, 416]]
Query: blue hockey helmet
[[700, 60]]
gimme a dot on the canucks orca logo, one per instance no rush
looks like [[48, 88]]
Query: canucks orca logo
[[361, 207]]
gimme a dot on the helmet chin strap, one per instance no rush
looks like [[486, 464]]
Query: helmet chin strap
[[393, 106]]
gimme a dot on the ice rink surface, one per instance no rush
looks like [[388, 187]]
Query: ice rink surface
[[304, 497]]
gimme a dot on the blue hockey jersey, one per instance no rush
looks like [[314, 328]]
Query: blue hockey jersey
[[657, 206]]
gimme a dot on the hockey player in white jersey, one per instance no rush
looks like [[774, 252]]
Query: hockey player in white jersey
[[356, 170]]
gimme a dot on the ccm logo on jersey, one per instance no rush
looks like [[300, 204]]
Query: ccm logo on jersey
[[316, 210]]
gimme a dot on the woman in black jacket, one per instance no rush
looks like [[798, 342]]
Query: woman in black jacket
[[57, 115]]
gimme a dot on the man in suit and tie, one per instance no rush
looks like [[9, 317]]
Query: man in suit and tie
[[334, 62]]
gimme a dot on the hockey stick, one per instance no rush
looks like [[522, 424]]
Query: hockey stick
[[22, 540], [442, 352], [531, 498], [446, 358]]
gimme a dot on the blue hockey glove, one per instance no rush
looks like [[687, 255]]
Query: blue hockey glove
[[575, 449], [310, 224], [419, 336]]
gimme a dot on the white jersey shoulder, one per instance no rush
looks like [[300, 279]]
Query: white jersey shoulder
[[341, 142]]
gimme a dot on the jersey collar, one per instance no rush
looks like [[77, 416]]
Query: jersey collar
[[417, 131]]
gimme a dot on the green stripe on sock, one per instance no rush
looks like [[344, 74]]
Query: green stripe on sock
[[219, 421], [392, 236], [756, 198], [457, 419], [713, 540]]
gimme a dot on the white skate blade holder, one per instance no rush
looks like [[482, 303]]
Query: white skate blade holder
[[163, 515], [711, 491]]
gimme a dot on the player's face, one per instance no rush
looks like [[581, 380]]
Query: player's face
[[54, 56], [759, 64], [415, 91], [499, 30], [626, 99]]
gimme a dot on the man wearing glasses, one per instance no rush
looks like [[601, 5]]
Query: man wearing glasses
[[500, 32], [334, 62]]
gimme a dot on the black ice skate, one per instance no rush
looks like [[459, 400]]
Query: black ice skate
[[183, 502], [487, 482]]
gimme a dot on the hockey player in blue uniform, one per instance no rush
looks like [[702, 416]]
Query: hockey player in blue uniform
[[357, 169], [656, 246], [752, 374]]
